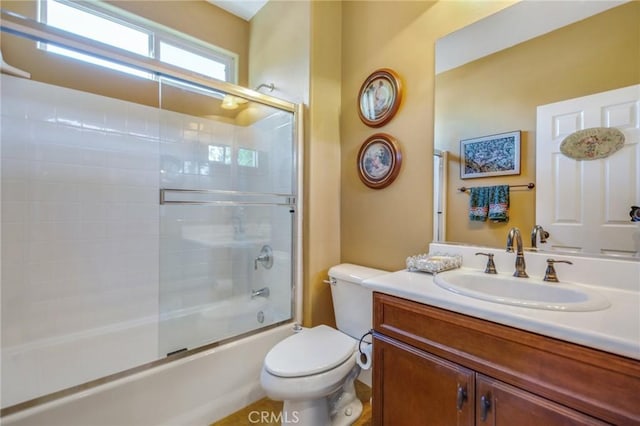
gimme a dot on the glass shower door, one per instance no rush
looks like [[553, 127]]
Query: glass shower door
[[227, 217]]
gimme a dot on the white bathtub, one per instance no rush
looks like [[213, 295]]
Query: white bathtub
[[195, 390], [200, 325], [43, 366]]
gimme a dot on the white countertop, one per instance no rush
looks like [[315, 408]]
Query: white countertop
[[615, 329]]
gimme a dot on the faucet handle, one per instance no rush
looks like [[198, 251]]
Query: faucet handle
[[550, 274], [265, 258], [491, 267]]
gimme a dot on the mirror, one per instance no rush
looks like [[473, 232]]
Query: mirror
[[489, 83]]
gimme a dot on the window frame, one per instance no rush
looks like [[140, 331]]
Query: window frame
[[157, 33]]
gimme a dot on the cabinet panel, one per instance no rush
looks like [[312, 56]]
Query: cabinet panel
[[559, 371], [414, 388], [498, 404]]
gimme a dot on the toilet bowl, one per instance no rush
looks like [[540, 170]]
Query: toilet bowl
[[314, 370], [307, 369]]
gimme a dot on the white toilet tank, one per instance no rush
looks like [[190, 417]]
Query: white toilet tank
[[352, 303]]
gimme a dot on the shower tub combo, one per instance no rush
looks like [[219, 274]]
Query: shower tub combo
[[150, 253]]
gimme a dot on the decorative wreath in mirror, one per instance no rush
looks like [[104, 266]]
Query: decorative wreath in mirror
[[379, 97], [379, 161]]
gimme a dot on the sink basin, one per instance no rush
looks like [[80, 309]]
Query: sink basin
[[525, 292]]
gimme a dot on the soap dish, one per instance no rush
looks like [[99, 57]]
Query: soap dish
[[433, 262]]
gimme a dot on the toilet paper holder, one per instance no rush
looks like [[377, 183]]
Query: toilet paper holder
[[368, 333], [364, 358]]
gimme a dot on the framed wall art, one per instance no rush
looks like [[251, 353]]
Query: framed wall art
[[379, 161], [379, 97], [493, 155]]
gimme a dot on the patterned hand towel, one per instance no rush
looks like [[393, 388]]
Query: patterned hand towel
[[499, 203], [478, 203]]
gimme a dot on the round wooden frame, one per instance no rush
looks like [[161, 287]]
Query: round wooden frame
[[379, 161], [379, 97]]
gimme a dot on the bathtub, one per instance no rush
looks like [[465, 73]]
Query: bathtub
[[194, 390], [200, 325]]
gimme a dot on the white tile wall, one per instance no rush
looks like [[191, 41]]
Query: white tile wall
[[82, 236], [80, 230]]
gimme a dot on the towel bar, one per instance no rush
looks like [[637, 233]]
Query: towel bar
[[529, 185]]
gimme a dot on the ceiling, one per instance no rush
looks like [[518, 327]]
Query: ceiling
[[245, 9]]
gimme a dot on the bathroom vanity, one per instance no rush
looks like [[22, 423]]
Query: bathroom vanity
[[434, 366], [442, 358]]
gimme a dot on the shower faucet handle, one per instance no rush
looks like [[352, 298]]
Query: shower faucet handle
[[265, 258]]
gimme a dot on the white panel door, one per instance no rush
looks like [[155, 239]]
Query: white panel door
[[584, 204]]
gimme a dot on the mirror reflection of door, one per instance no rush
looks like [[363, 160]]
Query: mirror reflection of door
[[499, 92], [584, 204]]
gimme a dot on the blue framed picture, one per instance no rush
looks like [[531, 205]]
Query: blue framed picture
[[493, 155]]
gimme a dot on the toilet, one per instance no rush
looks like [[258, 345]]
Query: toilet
[[314, 370]]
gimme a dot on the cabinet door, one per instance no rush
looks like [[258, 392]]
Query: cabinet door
[[412, 387], [499, 404]]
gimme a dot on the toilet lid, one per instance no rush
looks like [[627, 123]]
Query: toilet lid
[[308, 352]]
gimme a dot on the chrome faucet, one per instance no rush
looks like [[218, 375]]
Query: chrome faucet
[[538, 230], [520, 265]]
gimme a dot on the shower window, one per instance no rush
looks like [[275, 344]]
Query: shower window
[[220, 154], [107, 25], [247, 157]]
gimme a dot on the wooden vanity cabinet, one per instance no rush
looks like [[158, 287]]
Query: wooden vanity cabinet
[[437, 367], [501, 404], [418, 388]]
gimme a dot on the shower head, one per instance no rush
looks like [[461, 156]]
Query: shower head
[[269, 87]]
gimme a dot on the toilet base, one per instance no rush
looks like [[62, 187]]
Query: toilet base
[[349, 414], [316, 413], [341, 408], [344, 405]]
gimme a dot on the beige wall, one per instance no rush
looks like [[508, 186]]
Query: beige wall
[[297, 46], [500, 93], [322, 156], [380, 228], [279, 49]]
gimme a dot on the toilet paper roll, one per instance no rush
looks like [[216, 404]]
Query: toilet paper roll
[[364, 358]]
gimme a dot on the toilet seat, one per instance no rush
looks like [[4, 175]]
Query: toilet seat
[[306, 387], [312, 351]]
